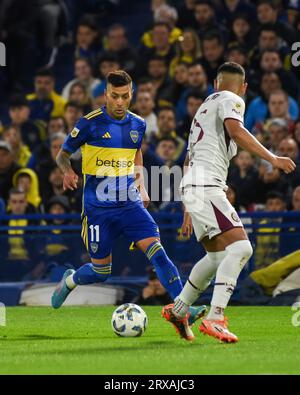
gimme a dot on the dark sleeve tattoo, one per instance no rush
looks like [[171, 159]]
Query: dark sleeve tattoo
[[63, 161]]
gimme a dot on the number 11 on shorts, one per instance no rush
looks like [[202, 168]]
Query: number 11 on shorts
[[95, 233]]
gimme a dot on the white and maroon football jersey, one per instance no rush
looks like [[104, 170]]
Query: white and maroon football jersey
[[210, 146]]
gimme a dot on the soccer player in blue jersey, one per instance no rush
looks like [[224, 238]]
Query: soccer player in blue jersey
[[115, 198]]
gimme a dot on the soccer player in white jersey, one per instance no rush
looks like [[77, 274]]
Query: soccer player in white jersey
[[216, 131]]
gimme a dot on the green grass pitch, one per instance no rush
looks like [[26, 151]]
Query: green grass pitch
[[79, 340]]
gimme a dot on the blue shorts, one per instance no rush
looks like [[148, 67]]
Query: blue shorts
[[102, 226]]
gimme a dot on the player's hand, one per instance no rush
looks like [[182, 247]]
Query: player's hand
[[284, 163], [187, 226], [70, 180], [144, 196]]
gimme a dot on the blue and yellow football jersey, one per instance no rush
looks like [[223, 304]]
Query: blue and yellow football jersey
[[108, 149]]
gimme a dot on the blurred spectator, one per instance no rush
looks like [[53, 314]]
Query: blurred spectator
[[297, 132], [268, 39], [231, 8], [186, 15], [153, 294], [21, 152], [213, 54], [73, 112], [206, 19], [51, 20], [270, 61], [26, 180], [8, 168], [194, 101], [107, 62], [18, 253], [238, 55], [166, 122], [146, 85], [144, 106], [258, 108], [197, 80], [241, 33], [166, 150], [56, 125], [162, 13], [161, 46], [84, 75], [33, 133], [117, 44], [87, 40], [179, 82], [244, 174], [45, 102], [267, 13], [158, 72], [80, 95], [267, 246], [17, 31], [187, 49]]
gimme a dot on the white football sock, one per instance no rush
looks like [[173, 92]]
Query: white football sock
[[70, 282], [238, 254], [200, 277]]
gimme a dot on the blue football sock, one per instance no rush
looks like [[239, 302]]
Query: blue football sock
[[91, 273], [166, 271]]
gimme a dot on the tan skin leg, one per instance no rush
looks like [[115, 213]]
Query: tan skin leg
[[220, 242], [144, 244]]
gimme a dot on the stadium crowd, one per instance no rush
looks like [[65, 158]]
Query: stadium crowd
[[59, 53]]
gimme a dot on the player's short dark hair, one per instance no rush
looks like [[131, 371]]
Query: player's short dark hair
[[275, 195], [118, 78], [232, 68], [45, 72]]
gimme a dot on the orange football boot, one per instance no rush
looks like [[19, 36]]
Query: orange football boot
[[218, 329], [181, 325]]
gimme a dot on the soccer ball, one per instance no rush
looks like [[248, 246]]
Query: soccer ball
[[129, 320]]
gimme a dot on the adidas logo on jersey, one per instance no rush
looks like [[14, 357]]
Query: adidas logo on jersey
[[106, 136]]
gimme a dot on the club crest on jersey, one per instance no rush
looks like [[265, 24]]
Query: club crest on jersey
[[238, 105], [235, 217], [75, 132], [94, 247], [134, 134]]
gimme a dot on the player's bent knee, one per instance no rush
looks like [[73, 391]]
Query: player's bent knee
[[241, 249]]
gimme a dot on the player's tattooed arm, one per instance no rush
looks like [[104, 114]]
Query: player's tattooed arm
[[248, 142], [139, 177], [64, 163]]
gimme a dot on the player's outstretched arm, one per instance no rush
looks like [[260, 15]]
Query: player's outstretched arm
[[64, 163], [249, 143]]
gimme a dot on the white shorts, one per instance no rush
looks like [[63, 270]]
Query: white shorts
[[210, 210]]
